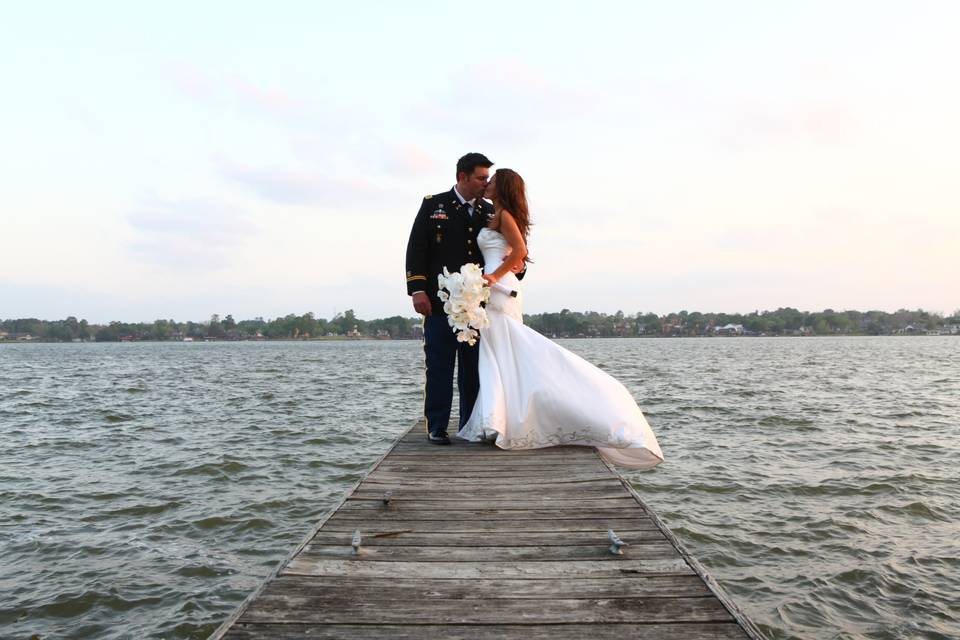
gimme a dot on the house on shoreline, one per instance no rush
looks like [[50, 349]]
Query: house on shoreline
[[22, 337], [729, 330]]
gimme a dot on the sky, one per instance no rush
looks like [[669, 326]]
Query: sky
[[181, 159]]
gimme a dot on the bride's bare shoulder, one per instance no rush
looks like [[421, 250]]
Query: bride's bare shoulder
[[506, 217]]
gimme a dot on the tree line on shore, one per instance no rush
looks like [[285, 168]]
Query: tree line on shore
[[566, 323]]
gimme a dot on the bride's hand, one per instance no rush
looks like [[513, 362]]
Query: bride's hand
[[489, 279]]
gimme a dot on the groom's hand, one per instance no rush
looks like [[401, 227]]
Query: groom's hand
[[421, 303]]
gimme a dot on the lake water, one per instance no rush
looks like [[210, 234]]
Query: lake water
[[146, 489]]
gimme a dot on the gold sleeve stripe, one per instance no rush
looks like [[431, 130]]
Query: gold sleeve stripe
[[412, 278]]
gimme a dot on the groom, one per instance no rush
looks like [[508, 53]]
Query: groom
[[444, 234]]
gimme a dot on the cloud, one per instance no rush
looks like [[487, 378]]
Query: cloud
[[818, 124], [193, 82], [272, 102], [303, 186], [188, 233], [410, 160], [517, 86], [501, 100], [319, 134]]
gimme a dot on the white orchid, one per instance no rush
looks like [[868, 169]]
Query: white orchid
[[469, 336], [462, 301]]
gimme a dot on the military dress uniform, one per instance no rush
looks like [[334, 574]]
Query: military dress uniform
[[445, 234]]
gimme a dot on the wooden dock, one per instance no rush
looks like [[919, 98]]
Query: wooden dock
[[474, 542]]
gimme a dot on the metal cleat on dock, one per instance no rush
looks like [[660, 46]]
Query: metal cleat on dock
[[356, 542], [386, 497], [615, 543]]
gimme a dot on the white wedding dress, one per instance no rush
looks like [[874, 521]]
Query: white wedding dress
[[534, 393]]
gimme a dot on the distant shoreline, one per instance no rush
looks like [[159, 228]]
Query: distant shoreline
[[783, 322]]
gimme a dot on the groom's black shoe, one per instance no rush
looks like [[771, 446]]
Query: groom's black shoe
[[440, 437]]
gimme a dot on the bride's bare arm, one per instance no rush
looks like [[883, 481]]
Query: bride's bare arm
[[518, 248]]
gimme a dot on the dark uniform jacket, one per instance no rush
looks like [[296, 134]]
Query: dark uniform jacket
[[443, 235]]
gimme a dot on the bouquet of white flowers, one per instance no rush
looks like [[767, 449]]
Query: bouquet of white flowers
[[462, 301]]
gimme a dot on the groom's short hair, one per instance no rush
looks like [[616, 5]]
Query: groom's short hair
[[471, 161]]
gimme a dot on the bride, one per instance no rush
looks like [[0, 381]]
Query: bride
[[533, 392]]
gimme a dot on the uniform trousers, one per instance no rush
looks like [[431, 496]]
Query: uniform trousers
[[442, 351]]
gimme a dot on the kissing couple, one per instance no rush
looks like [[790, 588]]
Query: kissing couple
[[517, 388]]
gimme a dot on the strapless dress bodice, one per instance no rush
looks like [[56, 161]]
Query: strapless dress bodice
[[494, 248]]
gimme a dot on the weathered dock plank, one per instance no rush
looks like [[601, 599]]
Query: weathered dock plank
[[597, 552], [501, 539], [546, 506], [465, 493], [655, 586], [665, 631], [535, 569], [374, 525], [477, 543], [343, 609]]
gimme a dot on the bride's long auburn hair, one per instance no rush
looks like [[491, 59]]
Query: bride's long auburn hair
[[510, 193]]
